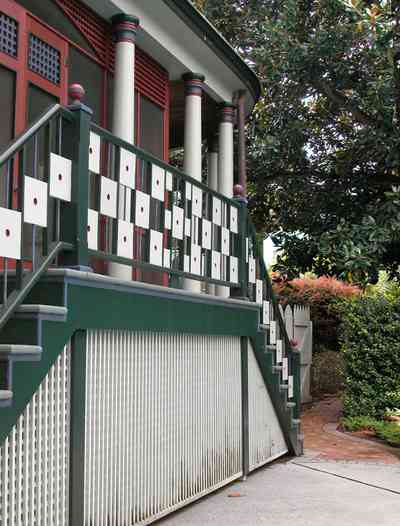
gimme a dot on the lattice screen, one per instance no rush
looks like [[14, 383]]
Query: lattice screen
[[34, 459]]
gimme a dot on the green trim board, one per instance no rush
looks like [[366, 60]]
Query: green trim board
[[95, 303]]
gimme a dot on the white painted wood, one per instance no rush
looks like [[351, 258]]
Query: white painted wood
[[10, 233], [34, 459], [127, 168], [142, 210], [206, 234], [215, 265], [156, 248], [216, 213], [195, 259], [266, 440], [234, 269], [163, 433], [125, 239], [157, 183], [177, 222], [168, 219], [92, 231], [225, 241], [252, 270], [266, 312], [167, 258], [168, 181], [259, 291], [197, 202], [108, 197], [35, 202], [60, 177], [94, 153]]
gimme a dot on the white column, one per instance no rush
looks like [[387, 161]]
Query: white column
[[192, 140], [212, 167], [225, 166], [123, 123]]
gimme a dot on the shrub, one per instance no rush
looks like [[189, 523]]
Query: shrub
[[388, 431], [326, 373], [322, 295], [370, 337]]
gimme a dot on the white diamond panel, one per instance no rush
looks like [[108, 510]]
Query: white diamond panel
[[93, 229], [266, 440], [60, 177], [225, 244], [34, 459], [158, 434], [195, 260], [215, 265], [94, 153], [197, 202], [259, 291], [108, 197], [10, 233], [234, 220], [177, 222], [234, 270], [156, 248], [142, 210], [127, 168], [157, 182], [125, 239], [35, 202], [206, 234]]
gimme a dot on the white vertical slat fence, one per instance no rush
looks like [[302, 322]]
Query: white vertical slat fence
[[266, 440], [163, 422], [34, 459]]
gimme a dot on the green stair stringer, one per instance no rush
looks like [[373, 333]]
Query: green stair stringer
[[279, 399], [96, 302]]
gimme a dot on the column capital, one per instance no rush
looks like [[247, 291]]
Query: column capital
[[227, 112], [193, 83], [124, 28]]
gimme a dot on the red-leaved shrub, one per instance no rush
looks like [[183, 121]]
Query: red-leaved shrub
[[321, 295]]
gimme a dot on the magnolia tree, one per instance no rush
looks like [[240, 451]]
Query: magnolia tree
[[324, 140]]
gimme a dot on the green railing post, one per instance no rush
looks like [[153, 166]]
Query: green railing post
[[241, 292], [74, 219]]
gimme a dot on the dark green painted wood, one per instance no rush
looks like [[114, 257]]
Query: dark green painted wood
[[146, 156], [77, 434], [74, 216], [241, 292], [245, 405]]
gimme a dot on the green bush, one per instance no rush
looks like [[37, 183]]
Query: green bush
[[326, 373], [388, 431], [370, 339]]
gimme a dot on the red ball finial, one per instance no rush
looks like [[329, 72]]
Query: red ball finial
[[238, 191], [76, 92]]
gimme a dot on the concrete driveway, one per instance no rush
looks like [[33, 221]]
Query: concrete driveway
[[305, 491]]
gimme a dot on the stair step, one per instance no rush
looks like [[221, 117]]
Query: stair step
[[290, 405], [270, 347], [296, 422], [263, 327], [5, 398], [277, 368], [48, 312], [284, 387], [20, 353]]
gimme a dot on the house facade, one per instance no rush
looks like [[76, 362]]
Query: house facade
[[144, 361]]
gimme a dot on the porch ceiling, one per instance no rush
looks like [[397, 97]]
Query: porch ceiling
[[176, 35]]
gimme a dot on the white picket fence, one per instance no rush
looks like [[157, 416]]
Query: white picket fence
[[299, 328]]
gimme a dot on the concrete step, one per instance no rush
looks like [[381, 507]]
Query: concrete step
[[20, 353]]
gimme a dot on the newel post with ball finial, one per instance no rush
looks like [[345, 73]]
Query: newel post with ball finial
[[74, 219], [241, 292]]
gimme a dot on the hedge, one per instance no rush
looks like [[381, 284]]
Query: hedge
[[370, 342]]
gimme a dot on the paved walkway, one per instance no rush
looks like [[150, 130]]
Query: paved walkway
[[340, 481]]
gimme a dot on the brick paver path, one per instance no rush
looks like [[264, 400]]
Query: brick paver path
[[321, 438]]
